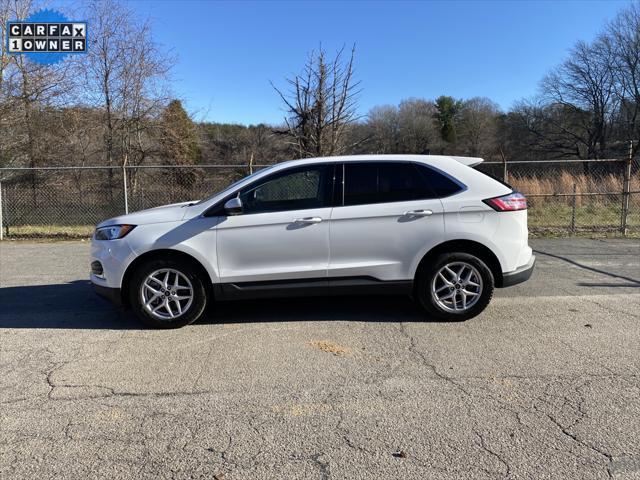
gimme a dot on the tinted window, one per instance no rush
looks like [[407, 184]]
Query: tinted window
[[440, 184], [398, 182], [361, 183], [297, 189], [381, 182]]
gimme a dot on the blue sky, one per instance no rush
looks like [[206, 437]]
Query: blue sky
[[229, 51]]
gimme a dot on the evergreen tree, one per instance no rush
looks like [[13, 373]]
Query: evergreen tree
[[180, 142], [448, 109]]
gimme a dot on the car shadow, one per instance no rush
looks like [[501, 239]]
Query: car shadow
[[75, 305], [631, 281], [608, 285], [64, 305], [335, 308]]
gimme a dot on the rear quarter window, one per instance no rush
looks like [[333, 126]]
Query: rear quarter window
[[441, 184]]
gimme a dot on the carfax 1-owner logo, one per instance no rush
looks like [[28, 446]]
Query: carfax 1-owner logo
[[46, 36]]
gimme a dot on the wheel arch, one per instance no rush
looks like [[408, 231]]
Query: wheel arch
[[163, 254], [471, 247]]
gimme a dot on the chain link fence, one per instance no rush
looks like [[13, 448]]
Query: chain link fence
[[565, 197], [572, 196]]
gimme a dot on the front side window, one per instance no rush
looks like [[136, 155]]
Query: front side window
[[296, 189]]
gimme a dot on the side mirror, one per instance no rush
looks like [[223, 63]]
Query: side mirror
[[233, 206]]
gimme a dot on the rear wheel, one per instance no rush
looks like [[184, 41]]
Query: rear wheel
[[167, 294], [455, 286]]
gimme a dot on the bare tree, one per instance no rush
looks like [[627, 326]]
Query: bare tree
[[408, 128], [320, 104], [29, 92], [478, 127], [583, 91], [418, 130], [383, 125], [125, 71], [622, 41]]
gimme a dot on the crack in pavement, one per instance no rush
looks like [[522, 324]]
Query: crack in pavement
[[483, 444], [343, 431], [109, 391], [413, 349], [566, 430], [324, 467]]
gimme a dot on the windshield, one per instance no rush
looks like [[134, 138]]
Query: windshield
[[233, 185]]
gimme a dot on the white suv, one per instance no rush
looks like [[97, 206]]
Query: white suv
[[428, 226]]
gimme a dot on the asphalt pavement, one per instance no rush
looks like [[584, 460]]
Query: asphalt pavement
[[544, 384]]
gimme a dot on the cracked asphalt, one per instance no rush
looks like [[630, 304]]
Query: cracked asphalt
[[544, 384]]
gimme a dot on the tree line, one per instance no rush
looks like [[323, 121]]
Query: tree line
[[114, 106]]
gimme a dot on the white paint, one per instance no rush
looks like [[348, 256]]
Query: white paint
[[376, 240]]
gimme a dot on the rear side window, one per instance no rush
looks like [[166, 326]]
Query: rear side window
[[440, 184], [383, 182], [398, 182], [360, 183]]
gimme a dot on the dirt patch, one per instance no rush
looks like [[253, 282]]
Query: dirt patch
[[330, 347]]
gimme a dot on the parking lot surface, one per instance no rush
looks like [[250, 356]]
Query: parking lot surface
[[544, 384]]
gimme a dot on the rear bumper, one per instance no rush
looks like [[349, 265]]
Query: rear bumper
[[111, 294], [519, 275]]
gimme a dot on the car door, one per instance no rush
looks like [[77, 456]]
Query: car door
[[387, 219], [282, 232]]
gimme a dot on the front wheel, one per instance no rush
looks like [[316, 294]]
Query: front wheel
[[167, 294], [455, 286]]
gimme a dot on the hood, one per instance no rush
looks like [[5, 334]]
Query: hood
[[166, 213]]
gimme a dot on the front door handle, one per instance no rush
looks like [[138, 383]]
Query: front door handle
[[418, 213], [308, 220]]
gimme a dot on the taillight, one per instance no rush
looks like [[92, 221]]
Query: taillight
[[508, 203]]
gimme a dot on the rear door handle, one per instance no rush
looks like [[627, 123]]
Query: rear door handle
[[308, 220], [418, 213]]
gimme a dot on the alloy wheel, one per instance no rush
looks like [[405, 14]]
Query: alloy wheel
[[166, 294], [457, 287]]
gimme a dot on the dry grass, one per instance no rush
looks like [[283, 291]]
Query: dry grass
[[51, 231], [565, 182]]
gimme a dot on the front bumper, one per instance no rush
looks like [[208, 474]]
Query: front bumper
[[111, 294], [519, 275], [114, 256]]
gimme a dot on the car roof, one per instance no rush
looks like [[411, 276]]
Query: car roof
[[429, 159]]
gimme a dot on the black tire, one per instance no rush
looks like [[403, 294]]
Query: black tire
[[190, 315], [425, 276]]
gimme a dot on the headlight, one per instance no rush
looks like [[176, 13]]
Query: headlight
[[112, 232]]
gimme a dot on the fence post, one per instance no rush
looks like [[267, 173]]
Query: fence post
[[124, 184], [505, 173], [573, 210], [626, 188], [1, 219]]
